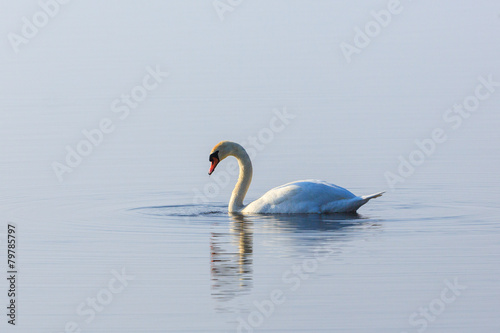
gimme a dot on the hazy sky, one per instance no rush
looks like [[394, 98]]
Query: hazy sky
[[230, 63]]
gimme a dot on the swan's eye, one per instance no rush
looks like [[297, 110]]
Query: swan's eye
[[214, 155]]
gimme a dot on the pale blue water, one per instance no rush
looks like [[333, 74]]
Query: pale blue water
[[137, 238]]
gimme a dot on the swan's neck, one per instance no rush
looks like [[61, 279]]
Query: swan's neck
[[244, 180]]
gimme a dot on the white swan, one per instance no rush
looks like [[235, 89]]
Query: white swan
[[299, 197]]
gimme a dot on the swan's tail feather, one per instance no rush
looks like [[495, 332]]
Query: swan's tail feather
[[372, 196]]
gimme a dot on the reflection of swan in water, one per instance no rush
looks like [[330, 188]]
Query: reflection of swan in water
[[312, 222], [231, 260], [305, 235], [232, 252]]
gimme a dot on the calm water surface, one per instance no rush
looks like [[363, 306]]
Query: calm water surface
[[195, 268]]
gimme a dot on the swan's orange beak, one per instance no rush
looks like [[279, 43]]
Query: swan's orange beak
[[214, 158], [214, 161]]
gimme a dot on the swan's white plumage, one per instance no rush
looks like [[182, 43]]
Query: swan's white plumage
[[299, 197], [306, 197]]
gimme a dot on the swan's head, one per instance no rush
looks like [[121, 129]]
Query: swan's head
[[222, 150]]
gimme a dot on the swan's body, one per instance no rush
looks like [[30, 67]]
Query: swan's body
[[299, 197], [307, 196]]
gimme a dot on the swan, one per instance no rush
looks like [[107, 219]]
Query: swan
[[299, 197]]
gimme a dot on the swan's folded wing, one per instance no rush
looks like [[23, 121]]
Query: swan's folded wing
[[307, 196], [277, 197]]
